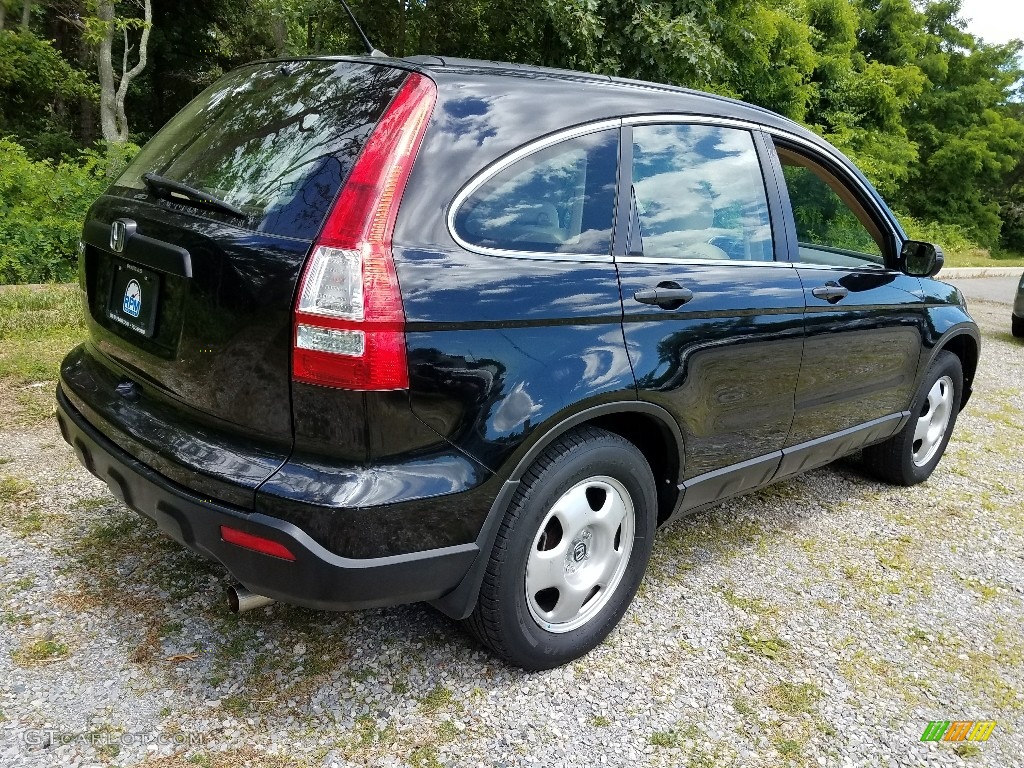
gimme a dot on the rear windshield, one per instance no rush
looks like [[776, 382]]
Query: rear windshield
[[275, 140]]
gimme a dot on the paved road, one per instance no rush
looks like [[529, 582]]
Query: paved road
[[997, 289]]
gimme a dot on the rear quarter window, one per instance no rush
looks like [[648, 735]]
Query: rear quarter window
[[559, 199], [276, 140]]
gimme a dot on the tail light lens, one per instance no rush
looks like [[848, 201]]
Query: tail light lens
[[349, 328]]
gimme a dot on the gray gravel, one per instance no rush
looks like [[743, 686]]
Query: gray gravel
[[821, 622]]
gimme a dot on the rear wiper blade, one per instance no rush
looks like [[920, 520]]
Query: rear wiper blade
[[161, 186]]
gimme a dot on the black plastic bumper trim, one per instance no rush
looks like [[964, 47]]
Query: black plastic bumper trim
[[316, 579]]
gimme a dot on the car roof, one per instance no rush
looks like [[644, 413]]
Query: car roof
[[658, 97], [676, 96]]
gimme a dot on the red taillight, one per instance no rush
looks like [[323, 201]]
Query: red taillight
[[349, 328], [255, 543]]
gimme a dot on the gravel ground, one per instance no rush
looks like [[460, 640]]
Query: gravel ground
[[823, 621]]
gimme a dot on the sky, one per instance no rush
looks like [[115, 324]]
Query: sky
[[995, 21]]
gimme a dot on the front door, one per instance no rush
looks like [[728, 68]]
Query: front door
[[864, 318], [713, 322]]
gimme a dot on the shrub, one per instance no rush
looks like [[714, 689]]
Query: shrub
[[952, 238], [42, 206]]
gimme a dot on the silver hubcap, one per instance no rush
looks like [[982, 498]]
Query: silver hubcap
[[579, 554], [933, 420]]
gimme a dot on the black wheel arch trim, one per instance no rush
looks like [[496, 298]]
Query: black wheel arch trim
[[550, 434], [459, 603], [942, 345]]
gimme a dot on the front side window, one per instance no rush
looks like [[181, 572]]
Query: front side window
[[557, 200], [832, 227], [699, 194]]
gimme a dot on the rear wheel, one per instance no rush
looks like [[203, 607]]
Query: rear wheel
[[1017, 325], [570, 553], [911, 455]]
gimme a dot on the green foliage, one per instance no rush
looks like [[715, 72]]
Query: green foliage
[[40, 94], [932, 116], [971, 137], [42, 205], [954, 239]]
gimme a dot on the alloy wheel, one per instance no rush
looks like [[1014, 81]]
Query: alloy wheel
[[579, 554], [933, 421]]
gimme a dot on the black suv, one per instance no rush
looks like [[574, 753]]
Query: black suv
[[372, 331]]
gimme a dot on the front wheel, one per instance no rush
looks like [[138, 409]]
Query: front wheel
[[911, 455], [570, 553]]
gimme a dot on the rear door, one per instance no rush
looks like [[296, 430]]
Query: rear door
[[864, 318], [190, 299], [713, 321]]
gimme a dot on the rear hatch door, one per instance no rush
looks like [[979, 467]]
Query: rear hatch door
[[190, 279]]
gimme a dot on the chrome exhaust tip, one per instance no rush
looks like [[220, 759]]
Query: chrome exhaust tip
[[241, 599]]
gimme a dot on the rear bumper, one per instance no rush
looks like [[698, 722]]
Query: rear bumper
[[316, 578]]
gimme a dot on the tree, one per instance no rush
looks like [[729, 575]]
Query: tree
[[37, 87], [113, 90], [967, 126]]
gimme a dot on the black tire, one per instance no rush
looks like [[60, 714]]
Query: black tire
[[1017, 326], [894, 460], [504, 617]]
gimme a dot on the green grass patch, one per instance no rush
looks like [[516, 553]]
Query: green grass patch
[[439, 697], [38, 652], [38, 325], [666, 739], [790, 749], [794, 698], [447, 731], [981, 257], [424, 756], [766, 646], [967, 750], [743, 706], [751, 605], [15, 489], [236, 705]]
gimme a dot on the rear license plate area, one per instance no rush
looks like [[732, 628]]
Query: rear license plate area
[[134, 295]]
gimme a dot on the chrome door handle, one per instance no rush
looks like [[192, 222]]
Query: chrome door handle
[[664, 297], [832, 292]]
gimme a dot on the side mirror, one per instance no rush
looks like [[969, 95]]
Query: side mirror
[[919, 259]]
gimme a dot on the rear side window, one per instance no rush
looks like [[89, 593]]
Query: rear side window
[[558, 200], [275, 140], [699, 193]]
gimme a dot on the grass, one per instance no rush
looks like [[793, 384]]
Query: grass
[[966, 750], [38, 326], [236, 705], [743, 706], [751, 605], [17, 510], [674, 737], [38, 652], [666, 739], [766, 646], [15, 489], [436, 699], [793, 698], [227, 758], [982, 257]]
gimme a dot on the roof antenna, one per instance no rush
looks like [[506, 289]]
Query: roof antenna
[[366, 41]]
